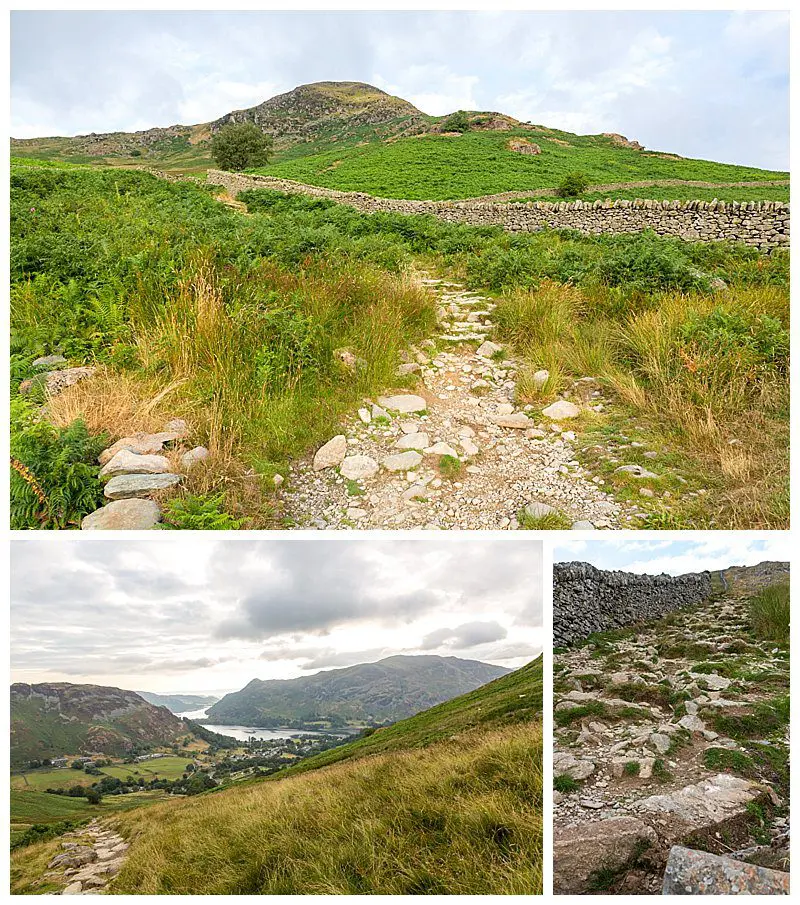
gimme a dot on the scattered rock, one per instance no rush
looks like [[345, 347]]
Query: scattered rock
[[358, 468], [488, 349], [441, 449], [123, 515], [331, 454], [405, 404], [412, 441], [519, 421], [536, 510], [561, 409], [636, 471], [193, 456], [404, 461], [697, 873]]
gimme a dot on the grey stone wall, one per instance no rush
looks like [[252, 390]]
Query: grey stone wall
[[761, 224], [587, 600]]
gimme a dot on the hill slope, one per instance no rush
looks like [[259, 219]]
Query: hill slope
[[453, 805], [389, 690], [58, 718], [353, 136]]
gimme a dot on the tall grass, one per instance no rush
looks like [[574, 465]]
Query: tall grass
[[461, 817], [770, 613]]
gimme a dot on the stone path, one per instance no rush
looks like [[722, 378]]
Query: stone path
[[459, 452], [641, 759], [89, 860], [136, 470]]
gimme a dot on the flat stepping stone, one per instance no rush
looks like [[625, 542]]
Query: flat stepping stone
[[127, 462], [413, 441], [143, 444], [561, 409], [358, 468], [331, 454], [708, 803], [123, 515], [406, 404], [124, 487], [519, 421], [404, 461]]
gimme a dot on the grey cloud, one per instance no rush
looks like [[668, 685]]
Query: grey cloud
[[470, 634]]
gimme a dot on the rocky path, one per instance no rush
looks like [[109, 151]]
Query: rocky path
[[675, 734], [89, 860], [460, 451]]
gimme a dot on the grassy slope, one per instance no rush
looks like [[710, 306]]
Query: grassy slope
[[479, 163], [448, 801]]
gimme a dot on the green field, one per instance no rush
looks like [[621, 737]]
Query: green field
[[65, 777], [438, 167]]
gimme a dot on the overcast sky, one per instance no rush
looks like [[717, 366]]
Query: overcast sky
[[207, 616], [717, 550], [713, 85]]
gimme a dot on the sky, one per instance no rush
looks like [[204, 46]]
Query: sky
[[713, 84], [205, 616], [717, 550]]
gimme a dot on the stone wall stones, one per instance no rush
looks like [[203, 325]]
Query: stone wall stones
[[760, 224], [587, 600]]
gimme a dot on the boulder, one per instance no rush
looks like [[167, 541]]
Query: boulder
[[487, 349], [127, 462], [140, 443], [579, 852], [331, 454], [124, 487], [696, 873], [123, 515], [705, 804], [412, 441]]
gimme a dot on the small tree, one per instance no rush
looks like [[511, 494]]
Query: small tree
[[572, 185], [241, 146]]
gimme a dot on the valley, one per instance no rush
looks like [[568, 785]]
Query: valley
[[434, 764]]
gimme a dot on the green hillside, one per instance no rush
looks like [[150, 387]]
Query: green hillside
[[388, 690], [478, 163], [446, 802]]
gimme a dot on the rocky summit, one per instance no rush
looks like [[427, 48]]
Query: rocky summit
[[673, 732]]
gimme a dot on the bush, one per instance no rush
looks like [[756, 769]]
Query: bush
[[241, 146], [457, 122], [54, 481], [572, 185]]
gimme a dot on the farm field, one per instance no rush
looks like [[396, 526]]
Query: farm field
[[38, 780]]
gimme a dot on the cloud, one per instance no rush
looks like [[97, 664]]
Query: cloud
[[470, 634], [634, 72]]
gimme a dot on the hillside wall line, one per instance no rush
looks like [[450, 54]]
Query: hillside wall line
[[588, 600], [760, 224]]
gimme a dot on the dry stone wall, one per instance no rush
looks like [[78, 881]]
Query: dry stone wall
[[760, 224], [587, 599]]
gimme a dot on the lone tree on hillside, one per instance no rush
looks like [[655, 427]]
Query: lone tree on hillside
[[572, 185], [241, 146]]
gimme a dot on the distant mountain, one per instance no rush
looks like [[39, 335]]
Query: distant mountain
[[386, 691], [178, 703], [52, 719]]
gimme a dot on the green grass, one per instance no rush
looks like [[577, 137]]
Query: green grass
[[552, 521], [769, 613], [479, 163]]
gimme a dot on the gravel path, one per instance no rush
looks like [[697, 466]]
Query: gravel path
[[456, 452]]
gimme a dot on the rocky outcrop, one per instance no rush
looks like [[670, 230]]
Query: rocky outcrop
[[760, 224], [588, 600]]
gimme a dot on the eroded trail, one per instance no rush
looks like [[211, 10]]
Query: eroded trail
[[89, 860], [458, 451], [675, 734]]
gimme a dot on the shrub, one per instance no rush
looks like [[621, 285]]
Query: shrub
[[54, 479], [572, 185], [241, 146], [457, 122]]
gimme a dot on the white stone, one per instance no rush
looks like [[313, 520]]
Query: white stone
[[364, 415], [123, 515], [358, 468], [405, 404], [127, 462], [193, 456], [331, 454], [127, 486], [561, 409], [519, 421], [487, 349], [402, 461], [441, 449], [413, 441]]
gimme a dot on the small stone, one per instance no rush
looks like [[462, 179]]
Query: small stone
[[358, 468], [441, 449], [73, 889], [331, 454], [193, 456], [660, 741], [561, 409], [378, 412], [126, 462], [123, 487], [402, 461], [177, 426], [277, 480], [364, 415], [636, 471], [540, 378], [354, 513], [488, 349], [405, 404], [646, 491], [582, 525], [466, 431], [123, 515], [536, 510], [519, 421], [416, 492], [409, 368], [470, 448], [413, 441]]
